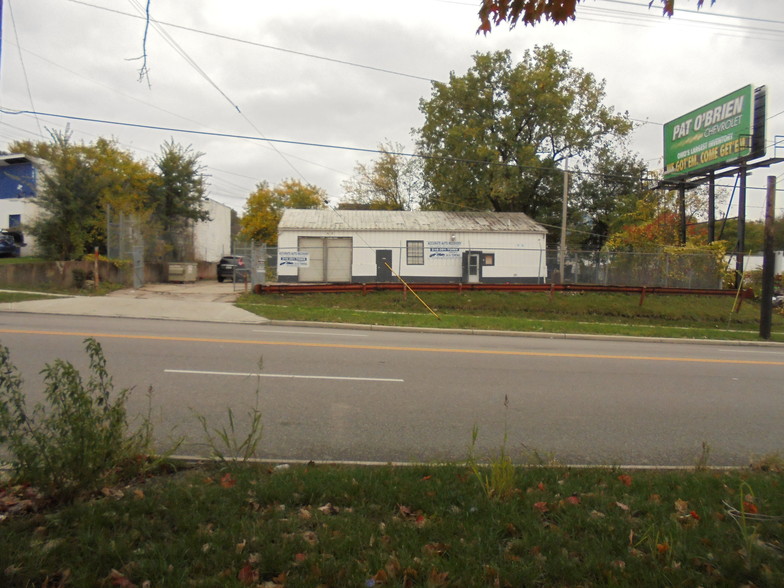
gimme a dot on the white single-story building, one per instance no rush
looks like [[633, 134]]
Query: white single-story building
[[365, 246]]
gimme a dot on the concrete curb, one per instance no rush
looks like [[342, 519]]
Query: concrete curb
[[528, 334]]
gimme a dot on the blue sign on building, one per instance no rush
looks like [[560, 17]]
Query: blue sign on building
[[17, 180]]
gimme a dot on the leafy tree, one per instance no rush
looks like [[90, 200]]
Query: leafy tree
[[391, 182], [655, 223], [265, 205], [177, 196], [496, 137], [70, 196], [178, 193], [531, 12], [78, 183], [600, 199]]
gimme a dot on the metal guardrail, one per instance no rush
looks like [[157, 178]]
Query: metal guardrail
[[746, 293]]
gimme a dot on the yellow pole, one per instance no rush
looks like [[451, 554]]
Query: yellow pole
[[410, 290]]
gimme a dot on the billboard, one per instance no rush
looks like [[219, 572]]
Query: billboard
[[717, 133]]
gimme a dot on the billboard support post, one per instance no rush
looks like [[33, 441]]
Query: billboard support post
[[711, 207], [768, 261], [682, 212], [741, 225]]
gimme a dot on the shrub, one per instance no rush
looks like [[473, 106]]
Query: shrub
[[77, 438]]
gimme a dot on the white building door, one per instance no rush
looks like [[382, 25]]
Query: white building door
[[473, 267]]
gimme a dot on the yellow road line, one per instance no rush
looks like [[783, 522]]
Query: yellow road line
[[391, 348]]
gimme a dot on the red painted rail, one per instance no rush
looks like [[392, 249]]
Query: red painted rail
[[643, 291]]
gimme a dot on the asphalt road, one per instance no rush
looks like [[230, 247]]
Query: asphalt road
[[343, 394]]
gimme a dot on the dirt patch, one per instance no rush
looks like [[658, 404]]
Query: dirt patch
[[203, 290]]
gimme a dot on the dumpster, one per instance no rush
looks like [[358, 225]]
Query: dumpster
[[182, 271]]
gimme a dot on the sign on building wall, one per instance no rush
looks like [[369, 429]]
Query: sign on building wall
[[719, 132], [443, 249], [294, 259]]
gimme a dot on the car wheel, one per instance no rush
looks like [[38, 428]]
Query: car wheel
[[220, 278]]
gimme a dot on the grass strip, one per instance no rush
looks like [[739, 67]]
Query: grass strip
[[426, 525], [692, 317]]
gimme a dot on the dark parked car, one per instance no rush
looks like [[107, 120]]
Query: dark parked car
[[10, 243], [232, 267]]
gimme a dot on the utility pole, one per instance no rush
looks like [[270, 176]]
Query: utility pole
[[768, 261], [564, 209]]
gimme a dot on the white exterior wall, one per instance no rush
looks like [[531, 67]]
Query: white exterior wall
[[212, 239], [28, 210], [517, 255], [754, 262]]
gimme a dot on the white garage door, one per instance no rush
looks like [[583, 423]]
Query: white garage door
[[330, 259]]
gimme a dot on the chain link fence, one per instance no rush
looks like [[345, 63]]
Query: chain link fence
[[662, 269]]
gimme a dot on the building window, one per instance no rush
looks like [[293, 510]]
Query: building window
[[415, 252], [488, 259]]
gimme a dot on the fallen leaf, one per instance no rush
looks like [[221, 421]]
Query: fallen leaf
[[625, 479], [310, 537], [681, 506], [227, 481], [328, 509], [572, 499], [300, 557], [750, 507], [622, 506], [436, 578], [541, 506], [117, 578], [435, 548], [381, 577], [248, 575]]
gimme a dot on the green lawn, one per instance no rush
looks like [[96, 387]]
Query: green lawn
[[697, 317]]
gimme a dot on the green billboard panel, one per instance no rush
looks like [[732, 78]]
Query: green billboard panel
[[717, 133]]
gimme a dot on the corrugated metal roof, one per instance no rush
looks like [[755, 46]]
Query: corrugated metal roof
[[415, 220]]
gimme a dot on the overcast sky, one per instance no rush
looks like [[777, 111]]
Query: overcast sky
[[349, 73]]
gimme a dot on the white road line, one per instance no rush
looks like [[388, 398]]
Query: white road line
[[311, 333], [290, 376]]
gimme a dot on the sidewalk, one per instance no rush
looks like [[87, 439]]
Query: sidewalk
[[201, 301]]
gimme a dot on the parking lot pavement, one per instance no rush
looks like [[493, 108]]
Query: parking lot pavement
[[204, 301]]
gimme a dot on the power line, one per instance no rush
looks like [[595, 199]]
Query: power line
[[8, 111], [262, 45], [24, 68]]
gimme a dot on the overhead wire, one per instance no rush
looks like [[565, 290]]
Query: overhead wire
[[190, 61], [21, 61], [262, 45]]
